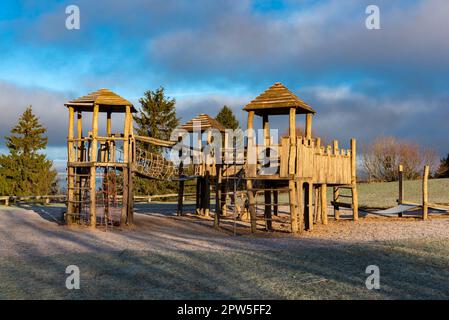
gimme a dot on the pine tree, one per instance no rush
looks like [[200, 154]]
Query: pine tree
[[26, 171], [227, 119], [157, 119], [157, 116]]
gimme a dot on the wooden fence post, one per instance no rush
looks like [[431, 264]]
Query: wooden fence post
[[401, 187], [425, 195], [355, 199]]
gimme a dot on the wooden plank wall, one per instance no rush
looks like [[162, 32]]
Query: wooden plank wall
[[314, 162]]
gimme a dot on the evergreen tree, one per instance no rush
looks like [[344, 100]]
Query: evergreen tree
[[227, 119], [26, 171], [156, 119], [157, 116]]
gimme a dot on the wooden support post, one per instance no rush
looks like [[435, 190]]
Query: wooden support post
[[251, 171], [126, 171], [276, 203], [93, 171], [401, 186], [198, 196], [293, 206], [109, 123], [218, 206], [180, 194], [70, 169], [79, 128], [207, 195], [223, 196], [300, 204], [252, 205], [308, 207], [251, 151], [267, 208], [181, 182], [336, 196], [292, 134], [308, 128], [355, 199], [425, 194], [316, 209], [323, 199]]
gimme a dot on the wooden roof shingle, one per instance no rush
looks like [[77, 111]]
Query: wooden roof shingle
[[206, 122], [277, 100], [105, 98]]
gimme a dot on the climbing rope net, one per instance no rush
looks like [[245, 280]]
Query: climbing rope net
[[154, 165]]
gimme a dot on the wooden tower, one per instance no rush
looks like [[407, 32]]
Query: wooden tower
[[299, 165], [99, 173], [206, 168]]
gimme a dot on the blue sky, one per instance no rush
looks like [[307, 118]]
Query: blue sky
[[363, 83]]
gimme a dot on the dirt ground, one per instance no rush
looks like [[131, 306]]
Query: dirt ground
[[168, 257]]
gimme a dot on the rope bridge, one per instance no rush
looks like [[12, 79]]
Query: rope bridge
[[154, 165]]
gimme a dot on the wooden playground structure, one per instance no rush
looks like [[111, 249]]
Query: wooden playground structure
[[101, 167]]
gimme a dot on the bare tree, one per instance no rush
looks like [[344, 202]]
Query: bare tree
[[382, 157]]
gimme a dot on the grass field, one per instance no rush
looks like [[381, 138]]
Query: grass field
[[409, 270], [384, 194]]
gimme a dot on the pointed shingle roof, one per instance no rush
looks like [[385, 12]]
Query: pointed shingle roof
[[277, 100], [206, 122], [105, 98]]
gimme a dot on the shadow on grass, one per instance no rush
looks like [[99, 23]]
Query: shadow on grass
[[318, 273]]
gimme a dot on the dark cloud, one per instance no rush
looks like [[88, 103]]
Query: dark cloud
[[47, 105]]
